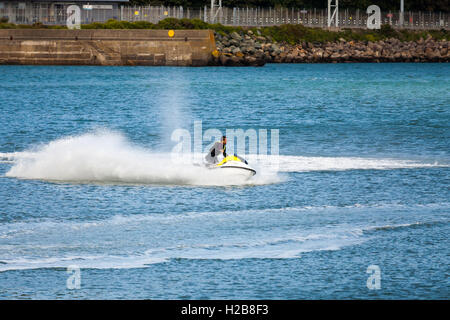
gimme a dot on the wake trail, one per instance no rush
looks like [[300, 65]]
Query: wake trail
[[104, 156], [108, 157]]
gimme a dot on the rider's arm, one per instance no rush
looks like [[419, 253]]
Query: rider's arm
[[215, 149]]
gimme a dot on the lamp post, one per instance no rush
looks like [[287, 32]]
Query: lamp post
[[216, 7], [335, 14], [402, 6]]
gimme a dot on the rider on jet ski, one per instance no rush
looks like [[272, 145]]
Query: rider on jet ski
[[218, 148]]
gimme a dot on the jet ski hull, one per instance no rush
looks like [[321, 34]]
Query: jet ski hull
[[236, 170]]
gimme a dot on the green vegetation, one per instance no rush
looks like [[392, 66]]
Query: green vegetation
[[297, 33], [37, 25], [289, 33], [168, 23]]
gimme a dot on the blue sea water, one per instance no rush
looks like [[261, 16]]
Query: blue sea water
[[363, 178]]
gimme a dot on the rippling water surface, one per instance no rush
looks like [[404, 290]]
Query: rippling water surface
[[87, 179]]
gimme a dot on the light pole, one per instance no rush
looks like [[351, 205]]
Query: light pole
[[335, 14], [402, 6], [216, 7]]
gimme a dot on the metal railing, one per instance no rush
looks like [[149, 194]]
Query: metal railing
[[46, 13]]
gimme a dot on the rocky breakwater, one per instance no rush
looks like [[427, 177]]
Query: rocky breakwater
[[249, 49], [240, 49]]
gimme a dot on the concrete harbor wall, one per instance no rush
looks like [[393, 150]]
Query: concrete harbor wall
[[198, 48], [106, 47]]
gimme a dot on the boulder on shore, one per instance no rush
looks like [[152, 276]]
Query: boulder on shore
[[255, 50]]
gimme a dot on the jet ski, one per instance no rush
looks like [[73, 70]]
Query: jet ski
[[235, 166]]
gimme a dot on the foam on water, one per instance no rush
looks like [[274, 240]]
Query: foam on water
[[289, 246], [149, 238], [12, 229], [305, 164], [104, 156], [108, 157], [84, 261]]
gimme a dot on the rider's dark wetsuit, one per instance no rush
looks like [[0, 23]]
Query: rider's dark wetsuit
[[215, 151]]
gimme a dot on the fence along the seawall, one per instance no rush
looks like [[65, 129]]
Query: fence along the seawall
[[47, 14]]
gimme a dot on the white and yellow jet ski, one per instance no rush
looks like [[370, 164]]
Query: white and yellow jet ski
[[236, 167]]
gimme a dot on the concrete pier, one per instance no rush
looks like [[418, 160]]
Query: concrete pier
[[106, 47]]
